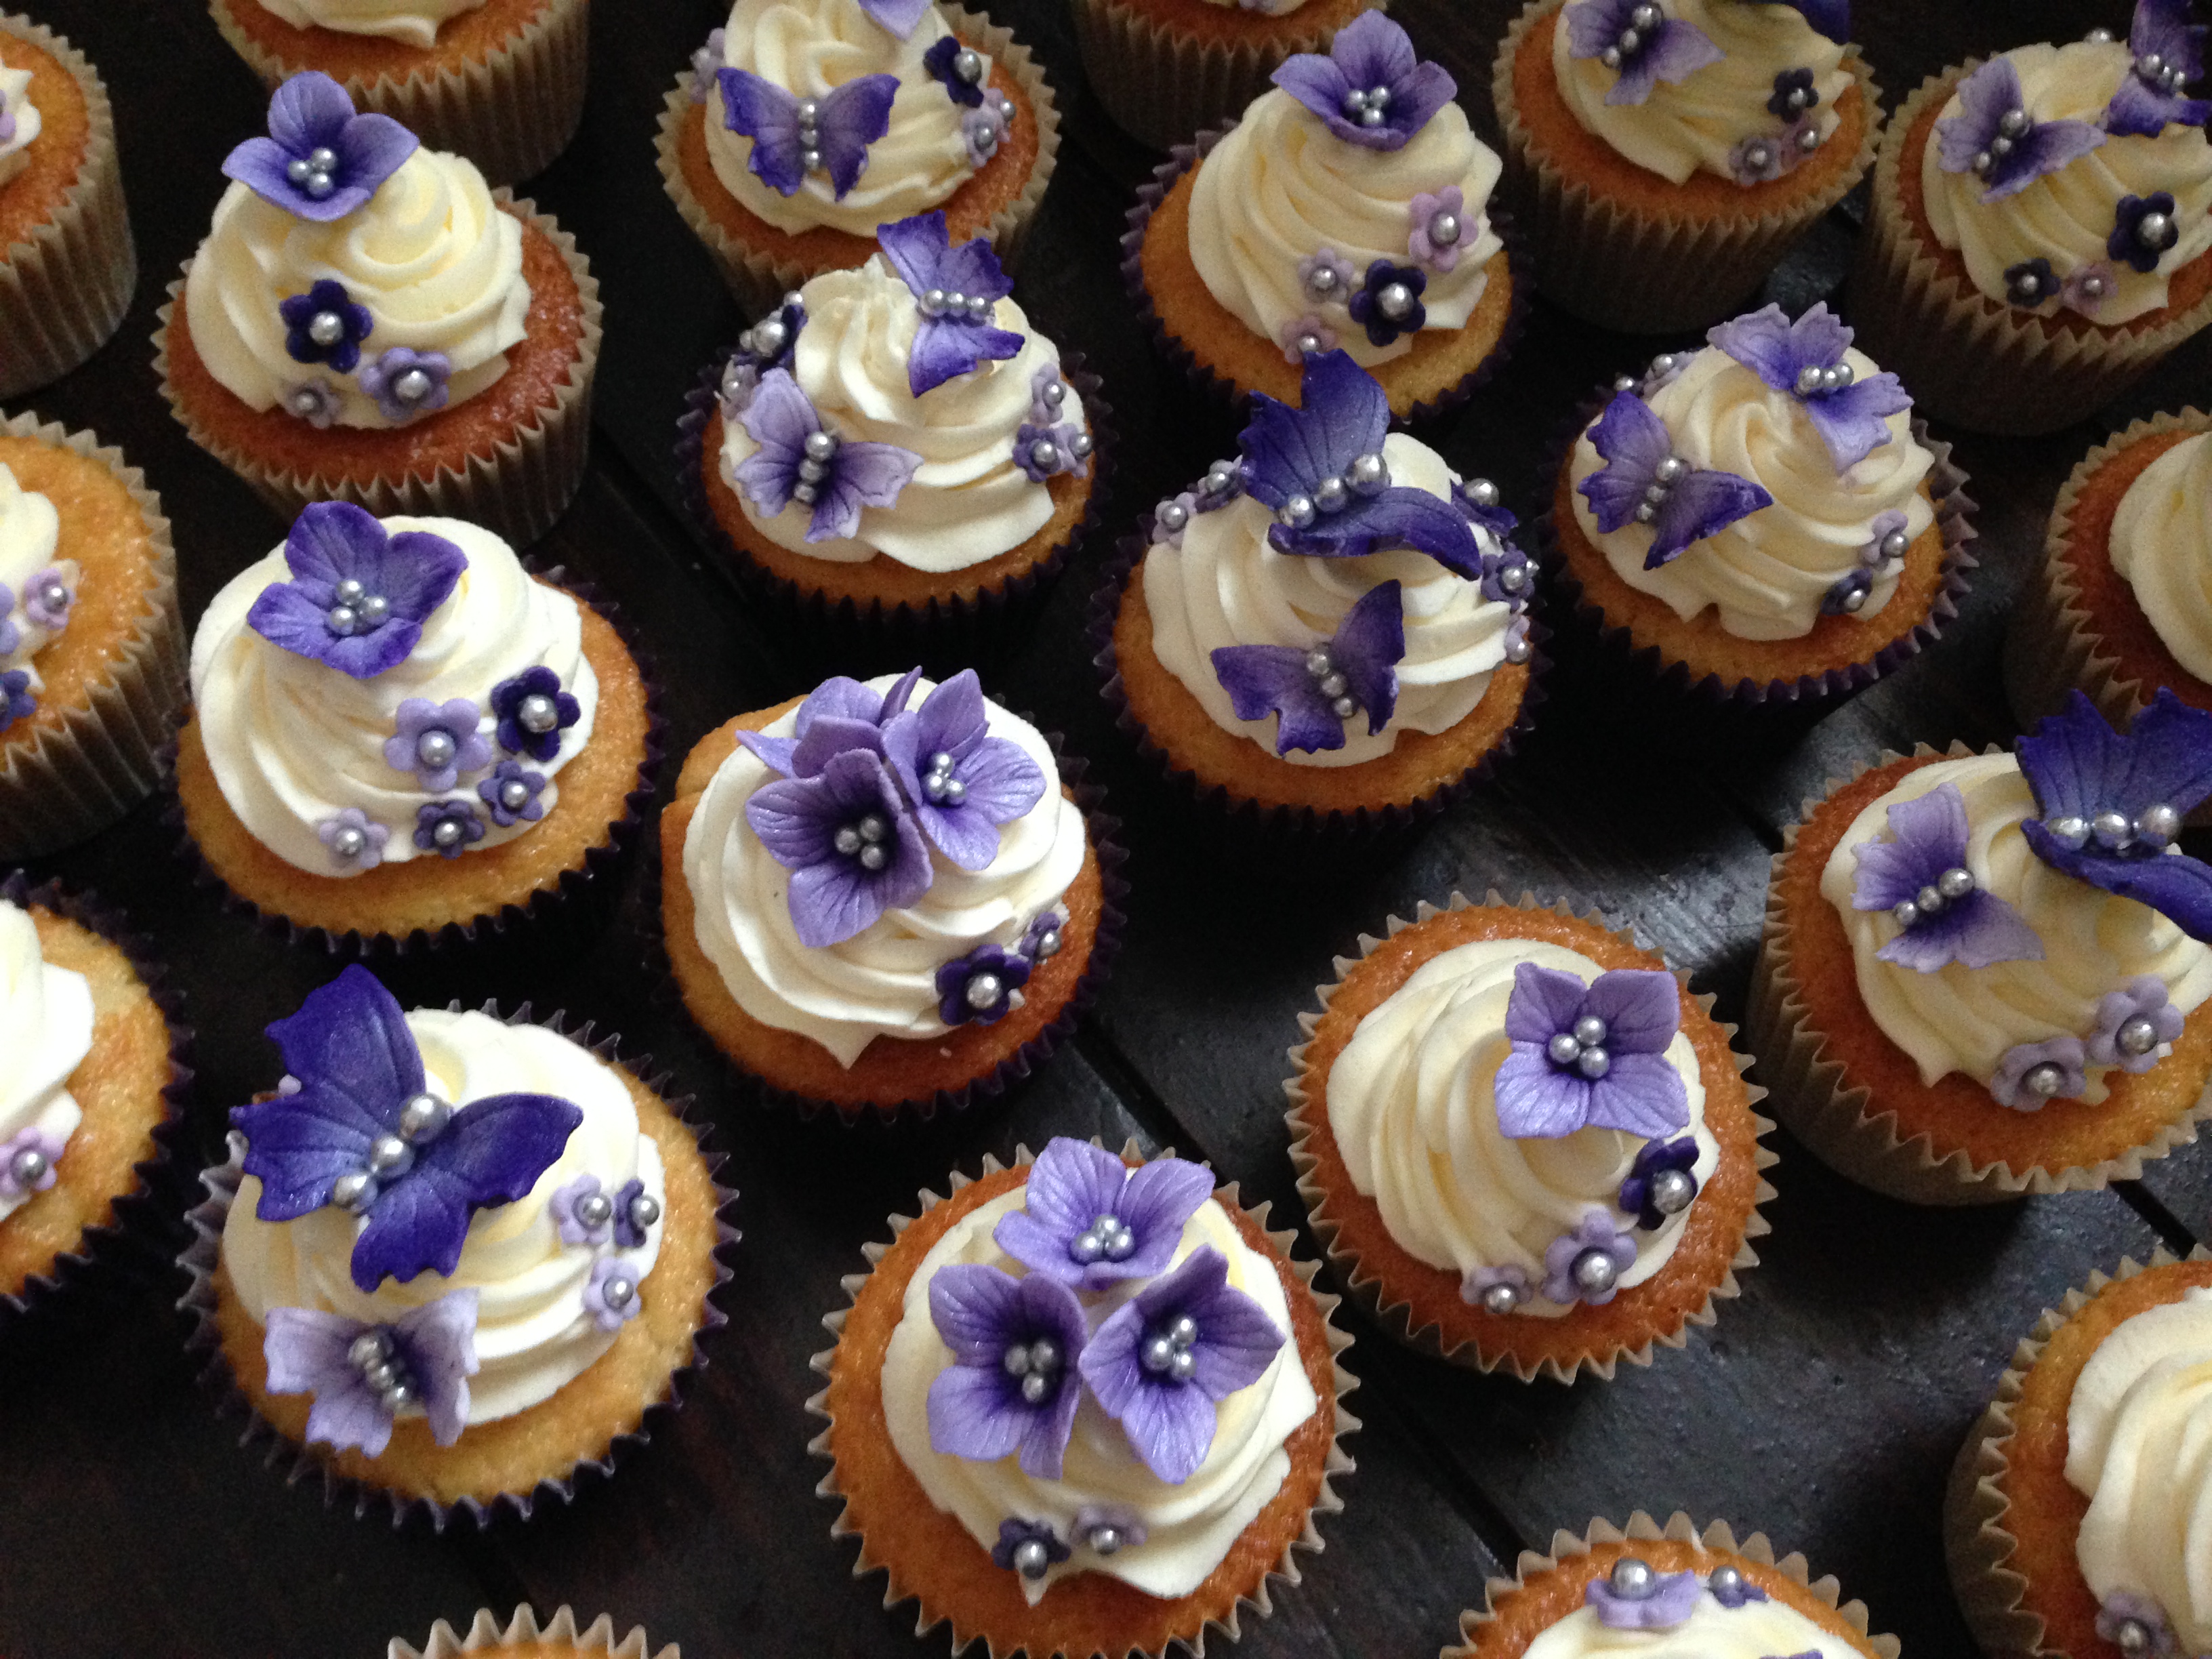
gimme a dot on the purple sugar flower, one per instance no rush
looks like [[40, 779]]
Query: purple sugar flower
[[853, 848], [447, 827], [2169, 53], [838, 715], [1439, 224], [1045, 452], [532, 712], [1160, 1364], [980, 987], [1047, 395], [321, 160], [363, 1376], [2029, 1073], [1759, 158], [1644, 482], [1499, 1289], [2031, 284], [1305, 336], [705, 62], [1089, 1220], [963, 782], [1793, 95], [793, 137], [1517, 648], [11, 637], [1586, 1264], [358, 597], [985, 128], [1808, 359], [2143, 230], [28, 1159], [768, 343], [1590, 1056], [1028, 1548], [1012, 1384], [1325, 276], [959, 68], [613, 1295], [1660, 1184], [799, 459], [2131, 1022], [957, 290], [1107, 1528], [317, 402], [437, 742], [1317, 690], [1886, 542], [1634, 1597], [634, 1214], [2087, 288], [1638, 39], [1847, 594], [1995, 138], [1042, 938], [405, 384], [578, 1219], [1371, 89], [510, 795], [16, 702], [2125, 1607], [1388, 302], [1731, 1589], [1920, 876], [48, 599], [324, 325], [1508, 577], [353, 840]]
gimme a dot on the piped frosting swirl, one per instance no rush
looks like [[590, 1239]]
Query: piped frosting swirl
[[2161, 546], [45, 1031]]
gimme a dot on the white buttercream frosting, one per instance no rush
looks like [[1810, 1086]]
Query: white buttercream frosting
[[533, 1334], [45, 1032], [436, 264], [410, 22], [30, 538], [1767, 572], [15, 104], [2161, 546], [1757, 1630], [883, 980], [2067, 216], [1964, 1019], [291, 742], [1189, 1527], [1226, 586], [1280, 187], [2139, 1447], [967, 501]]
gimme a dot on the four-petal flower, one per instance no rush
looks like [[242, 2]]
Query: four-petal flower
[[1590, 1055], [1012, 1385], [853, 849], [963, 782], [1372, 89], [358, 597], [1090, 1221], [321, 160]]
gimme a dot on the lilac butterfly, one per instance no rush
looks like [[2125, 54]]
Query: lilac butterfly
[[794, 137], [1806, 359], [955, 288], [800, 460], [1995, 138], [1921, 876], [1644, 482], [2169, 53], [1318, 692]]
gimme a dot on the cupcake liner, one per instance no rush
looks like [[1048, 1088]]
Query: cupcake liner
[[69, 784], [1986, 366], [487, 1633], [299, 1460], [517, 491], [1366, 1290], [139, 1213], [1843, 1127], [1717, 1536], [511, 112], [1259, 1599], [1649, 271], [64, 293], [759, 278], [1181, 160]]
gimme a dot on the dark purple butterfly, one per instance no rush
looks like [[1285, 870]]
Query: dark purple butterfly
[[1644, 482], [1995, 138], [956, 290], [800, 460], [1317, 690], [794, 136], [2169, 53]]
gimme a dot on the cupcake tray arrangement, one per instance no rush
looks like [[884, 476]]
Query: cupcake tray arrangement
[[1824, 1410]]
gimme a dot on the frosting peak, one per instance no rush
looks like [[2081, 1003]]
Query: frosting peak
[[2161, 546], [410, 22]]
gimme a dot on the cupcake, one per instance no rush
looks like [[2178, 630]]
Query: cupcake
[[1522, 1144], [1763, 519], [1335, 627], [1086, 1405], [396, 729], [2041, 227], [67, 262], [1657, 1592], [957, 462], [451, 1259], [1348, 209], [1663, 156], [501, 82], [1981, 975], [92, 646], [386, 328], [523, 1638], [2074, 1519], [94, 1070], [804, 125], [886, 895]]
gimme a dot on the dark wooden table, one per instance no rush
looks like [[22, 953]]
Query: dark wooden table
[[1825, 1407]]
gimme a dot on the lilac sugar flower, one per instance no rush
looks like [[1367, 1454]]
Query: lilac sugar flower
[[362, 1131], [1590, 1056], [362, 1377], [1518, 647], [634, 1214], [1318, 690], [1045, 452], [984, 129], [16, 702], [1920, 876], [1108, 1529], [1388, 302], [959, 68], [1633, 1596], [1325, 276], [2143, 230], [321, 160], [2031, 284], [1371, 89], [532, 712], [611, 1294], [1644, 482], [1305, 336], [1089, 1220], [853, 848], [324, 325], [1847, 594], [963, 782], [581, 1212], [1886, 542], [2152, 1637], [48, 599], [794, 137], [839, 714], [1995, 138], [2132, 1023], [1639, 40], [1042, 938], [980, 987], [405, 383], [1659, 1183], [957, 290], [1012, 1385], [705, 62], [800, 460], [2030, 1073], [2087, 288], [1030, 1548], [437, 742], [768, 343], [1047, 395], [1497, 1290], [1731, 1589], [1759, 158], [1832, 18], [28, 1159], [1161, 1362], [355, 841], [2169, 53], [358, 597], [1585, 1265], [510, 795], [1809, 359], [1483, 504], [447, 827], [317, 402], [1439, 226]]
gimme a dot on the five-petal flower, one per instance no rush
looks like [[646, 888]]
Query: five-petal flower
[[437, 742], [1921, 877], [324, 325], [1590, 1055], [358, 597], [1089, 1220], [405, 384], [2133, 1023], [979, 987], [1012, 1385], [533, 711], [321, 160]]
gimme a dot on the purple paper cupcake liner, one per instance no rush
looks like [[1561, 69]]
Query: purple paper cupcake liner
[[1181, 160], [139, 1213], [299, 1461]]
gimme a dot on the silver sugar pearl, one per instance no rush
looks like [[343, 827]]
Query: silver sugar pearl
[[538, 714], [873, 828], [389, 1155], [1610, 57], [1105, 1540], [1500, 1299], [2043, 1081], [769, 337], [1725, 1580], [380, 1374], [1983, 162], [2156, 826], [1809, 140], [1646, 18], [984, 991], [1645, 513], [449, 833], [27, 1168], [1955, 882], [806, 494], [1367, 473], [1298, 511], [1035, 1387], [397, 1398], [1481, 492], [1333, 684], [515, 794], [1444, 230], [1758, 155], [342, 618], [1671, 471], [1593, 1063], [2135, 1037], [1808, 379], [355, 1190], [1907, 913], [1672, 1191], [1894, 544], [2151, 230], [376, 611], [369, 1348], [2000, 147], [2112, 831], [1630, 42], [322, 159], [1048, 944], [1171, 516], [813, 472], [434, 750], [932, 302], [1055, 393], [1837, 376], [617, 1291], [350, 842], [319, 186], [1183, 1366], [1562, 1049], [1930, 901], [2013, 123], [350, 592], [1219, 478], [811, 161], [1634, 1579], [2132, 1637], [2099, 37], [412, 387], [1044, 455], [810, 112], [297, 170], [981, 306], [1032, 1559], [424, 1117], [594, 1211], [968, 64], [847, 840], [1588, 1029], [820, 446], [873, 858], [326, 328], [644, 1211], [1345, 708], [1322, 282], [1158, 1353], [2070, 832], [1595, 1273], [1396, 301], [1330, 496]]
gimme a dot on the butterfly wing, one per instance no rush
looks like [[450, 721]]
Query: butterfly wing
[[853, 117], [1265, 679], [763, 112], [1702, 503]]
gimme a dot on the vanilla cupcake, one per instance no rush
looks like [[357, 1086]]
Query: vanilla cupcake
[[523, 1637]]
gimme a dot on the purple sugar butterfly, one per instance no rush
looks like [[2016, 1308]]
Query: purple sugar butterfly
[[1318, 690], [800, 460], [792, 136], [1995, 138], [2169, 53], [956, 289], [1644, 482]]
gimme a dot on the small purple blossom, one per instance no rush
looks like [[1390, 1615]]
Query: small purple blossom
[[2030, 1073], [1089, 1220], [961, 782], [844, 122], [1641, 1191], [47, 1145], [1012, 1384], [2132, 1023], [1517, 639], [1388, 301], [961, 78], [317, 402], [16, 702], [1691, 503], [437, 742], [612, 1296], [1048, 394], [1995, 138], [1475, 1285], [1508, 577], [1886, 542], [2126, 1608], [1630, 1601], [1639, 41], [1847, 594], [1325, 276], [358, 597], [1031, 1548], [1793, 95], [1590, 1055], [2031, 284], [2088, 286], [1046, 451], [447, 827], [632, 1221], [1318, 690], [2169, 53], [363, 1376], [980, 987], [405, 384], [799, 461], [1305, 336], [355, 841], [510, 795], [2143, 230], [324, 325], [705, 62], [48, 599], [1809, 359], [1567, 1280], [1092, 1521], [533, 711], [1759, 158], [768, 343], [1920, 875], [1372, 89], [1432, 215], [1732, 1590], [1040, 938], [574, 1228], [853, 849], [839, 714], [984, 129], [321, 160]]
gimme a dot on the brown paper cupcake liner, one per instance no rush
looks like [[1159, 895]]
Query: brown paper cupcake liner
[[1717, 1537], [511, 111], [1649, 271], [517, 491], [1843, 1127], [928, 1615], [1986, 366], [138, 1230], [488, 1633], [69, 784], [64, 293], [1367, 1290], [299, 1461], [759, 279]]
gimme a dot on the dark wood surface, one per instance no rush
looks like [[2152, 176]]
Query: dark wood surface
[[1825, 1407]]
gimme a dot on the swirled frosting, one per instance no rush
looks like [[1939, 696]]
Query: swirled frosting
[[533, 1333], [45, 1031], [1964, 1019], [410, 22], [22, 117], [1699, 121], [810, 48], [293, 742], [1767, 572], [436, 265], [2067, 216], [2161, 546], [967, 501], [1280, 188], [1226, 586], [30, 535], [1190, 1528], [2139, 1447], [883, 980], [1757, 1630]]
